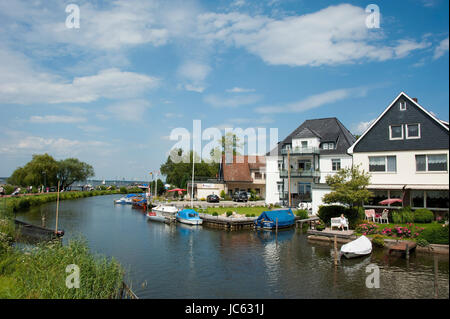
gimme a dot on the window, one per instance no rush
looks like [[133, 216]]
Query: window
[[412, 130], [402, 106], [336, 164], [396, 132], [304, 165], [417, 199], [437, 199], [431, 163], [328, 146], [258, 175], [378, 196], [304, 144], [382, 163], [280, 165]]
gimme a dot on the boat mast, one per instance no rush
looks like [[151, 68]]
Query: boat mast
[[57, 209], [192, 184]]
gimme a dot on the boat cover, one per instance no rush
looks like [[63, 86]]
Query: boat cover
[[188, 214], [285, 217], [360, 246]]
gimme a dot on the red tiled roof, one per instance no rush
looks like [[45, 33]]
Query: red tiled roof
[[239, 169]]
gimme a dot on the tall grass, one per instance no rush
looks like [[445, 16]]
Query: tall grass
[[40, 272]]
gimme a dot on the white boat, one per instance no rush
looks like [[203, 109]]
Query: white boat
[[189, 216], [356, 248], [162, 213]]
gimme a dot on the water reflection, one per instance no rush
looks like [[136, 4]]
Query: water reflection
[[182, 261]]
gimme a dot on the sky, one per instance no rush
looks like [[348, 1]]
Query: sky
[[112, 91]]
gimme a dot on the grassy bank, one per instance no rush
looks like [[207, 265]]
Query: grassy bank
[[40, 271]]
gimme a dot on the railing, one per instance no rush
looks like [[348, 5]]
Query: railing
[[301, 150], [300, 173]]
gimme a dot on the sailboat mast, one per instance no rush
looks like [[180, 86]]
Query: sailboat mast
[[192, 184]]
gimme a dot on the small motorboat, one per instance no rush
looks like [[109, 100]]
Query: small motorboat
[[271, 220], [357, 248], [127, 199], [189, 216], [162, 213]]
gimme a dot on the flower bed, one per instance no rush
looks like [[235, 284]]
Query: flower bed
[[399, 232]]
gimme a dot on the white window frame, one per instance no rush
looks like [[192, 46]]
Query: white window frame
[[386, 171], [390, 132], [412, 137], [426, 164], [404, 104], [336, 160]]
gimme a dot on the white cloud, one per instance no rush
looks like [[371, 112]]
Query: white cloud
[[23, 83], [47, 119], [314, 101], [361, 127], [240, 90], [234, 101], [173, 115], [194, 73], [332, 36], [441, 49]]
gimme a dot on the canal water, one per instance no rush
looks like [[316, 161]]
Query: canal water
[[178, 261]]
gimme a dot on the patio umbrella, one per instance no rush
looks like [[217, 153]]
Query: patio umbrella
[[391, 201], [177, 190]]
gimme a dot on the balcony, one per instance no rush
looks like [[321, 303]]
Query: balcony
[[300, 173], [301, 151]]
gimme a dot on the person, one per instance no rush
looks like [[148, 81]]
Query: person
[[343, 222], [2, 191]]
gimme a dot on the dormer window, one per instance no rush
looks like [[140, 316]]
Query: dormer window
[[328, 146], [304, 144], [396, 132], [403, 106]]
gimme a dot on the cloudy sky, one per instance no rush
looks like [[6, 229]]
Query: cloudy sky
[[111, 91]]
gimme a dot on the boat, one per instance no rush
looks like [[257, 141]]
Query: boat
[[273, 219], [139, 202], [127, 199], [189, 216], [37, 232], [162, 213], [357, 248]]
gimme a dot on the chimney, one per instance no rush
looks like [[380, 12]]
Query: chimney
[[415, 99]]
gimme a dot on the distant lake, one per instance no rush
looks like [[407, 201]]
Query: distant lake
[[178, 261]]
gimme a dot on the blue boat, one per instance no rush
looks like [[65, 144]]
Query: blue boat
[[268, 220], [128, 199], [189, 216]]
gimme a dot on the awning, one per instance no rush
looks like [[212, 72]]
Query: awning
[[386, 186], [427, 187]]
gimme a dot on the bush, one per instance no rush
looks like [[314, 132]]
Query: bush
[[368, 228], [422, 242], [320, 226], [123, 190], [302, 213], [215, 214], [423, 215], [378, 241], [229, 213], [222, 194], [403, 216], [354, 215], [435, 234]]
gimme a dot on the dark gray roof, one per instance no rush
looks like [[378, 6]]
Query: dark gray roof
[[327, 130]]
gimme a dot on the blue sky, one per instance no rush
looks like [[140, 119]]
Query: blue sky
[[111, 92]]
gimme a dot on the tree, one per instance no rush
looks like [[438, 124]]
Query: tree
[[71, 170], [45, 170], [349, 186]]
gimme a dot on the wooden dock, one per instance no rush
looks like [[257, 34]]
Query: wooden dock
[[299, 222], [403, 247], [327, 232], [227, 222]]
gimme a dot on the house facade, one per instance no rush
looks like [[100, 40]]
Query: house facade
[[298, 166], [406, 151], [237, 173]]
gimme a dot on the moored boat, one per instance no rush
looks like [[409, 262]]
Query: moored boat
[[189, 216], [361, 246], [127, 199], [162, 213], [282, 218]]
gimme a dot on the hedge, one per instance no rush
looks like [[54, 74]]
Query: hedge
[[423, 215], [435, 234], [354, 215]]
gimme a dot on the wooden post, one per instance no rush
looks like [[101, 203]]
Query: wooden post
[[276, 226], [335, 251], [289, 176], [57, 210], [407, 252], [436, 269]]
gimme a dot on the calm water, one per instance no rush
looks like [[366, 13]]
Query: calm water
[[180, 261]]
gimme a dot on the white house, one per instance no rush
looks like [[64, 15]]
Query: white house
[[406, 151], [298, 166]]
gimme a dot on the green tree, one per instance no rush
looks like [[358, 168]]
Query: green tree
[[41, 170], [349, 186], [71, 170]]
